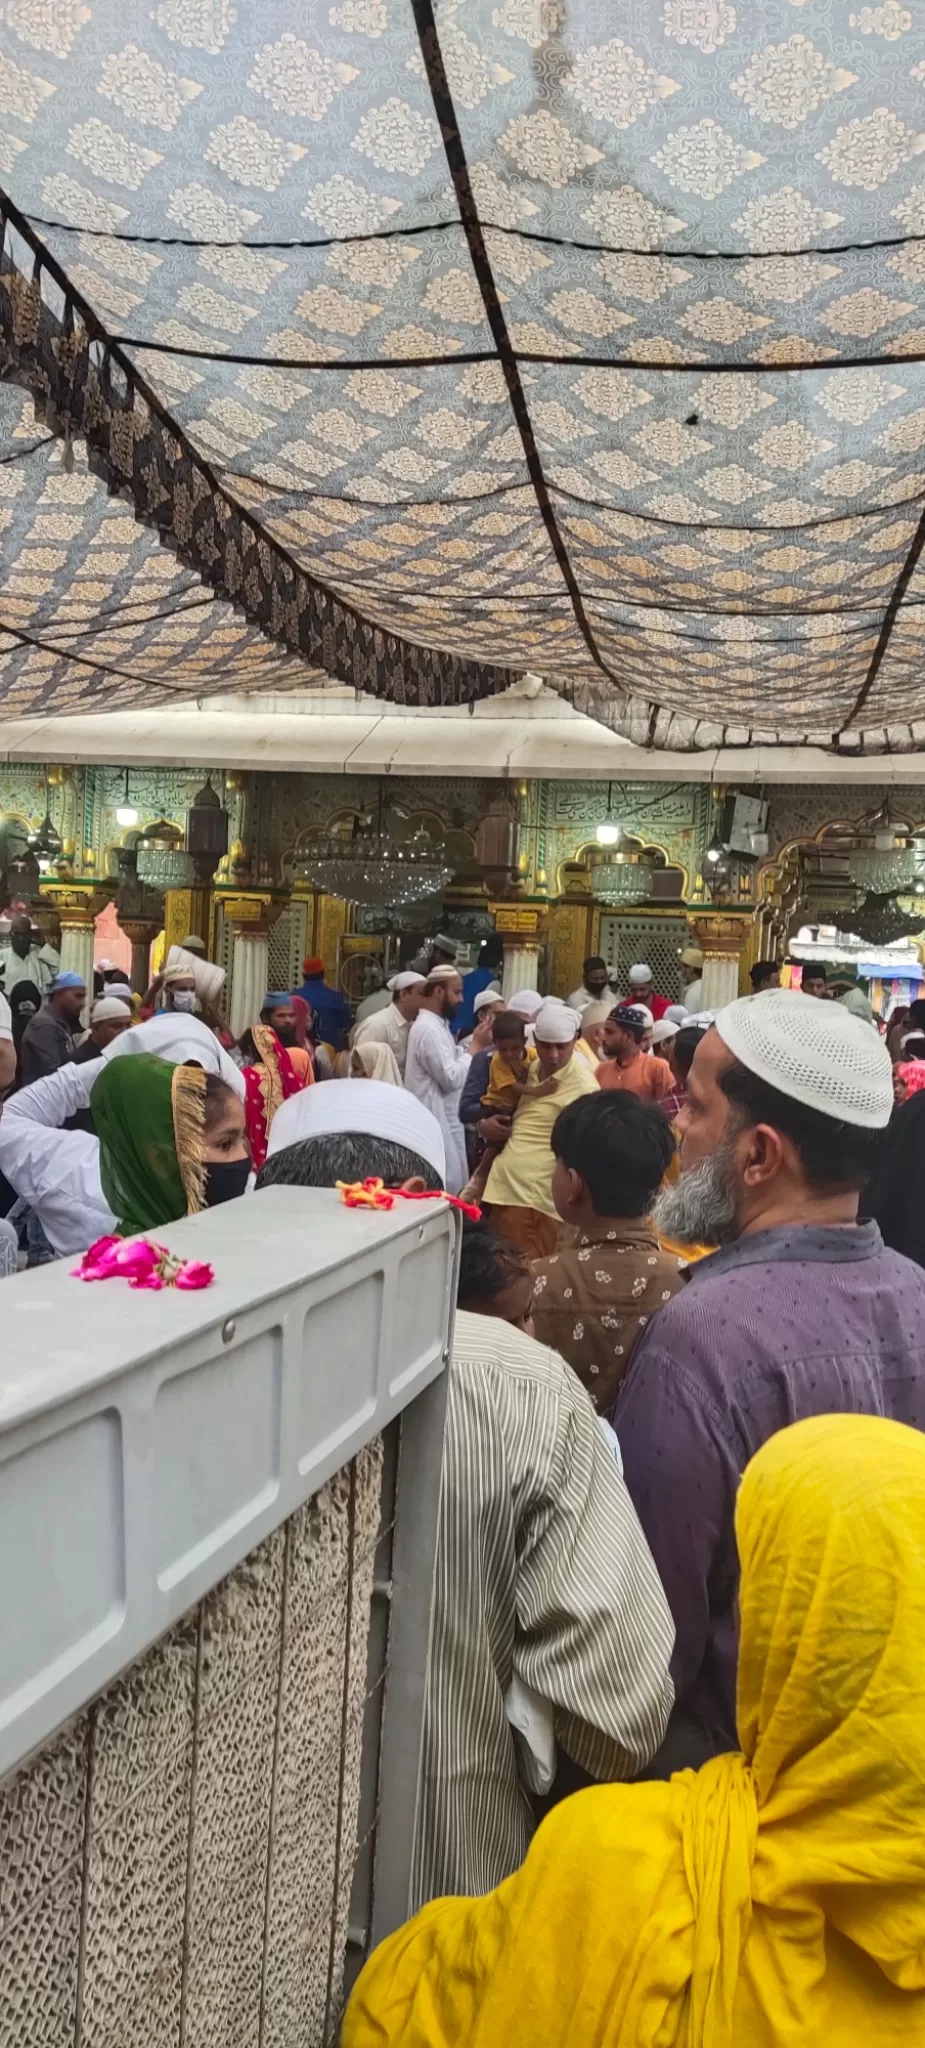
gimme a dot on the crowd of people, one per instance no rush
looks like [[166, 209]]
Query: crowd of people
[[683, 1505]]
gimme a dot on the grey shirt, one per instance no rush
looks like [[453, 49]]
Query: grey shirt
[[786, 1323], [47, 1044]]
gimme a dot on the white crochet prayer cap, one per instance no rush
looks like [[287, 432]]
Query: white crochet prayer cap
[[677, 1014], [443, 972], [526, 1002], [488, 995], [382, 1111], [106, 1008], [406, 979], [555, 1023], [640, 973], [663, 1031], [813, 1051]]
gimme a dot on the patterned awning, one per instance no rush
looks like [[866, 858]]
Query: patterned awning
[[442, 339]]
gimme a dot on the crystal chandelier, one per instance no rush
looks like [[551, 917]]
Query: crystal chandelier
[[367, 865], [883, 871], [622, 882], [162, 865]]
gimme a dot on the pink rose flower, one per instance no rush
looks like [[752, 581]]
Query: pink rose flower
[[194, 1274], [142, 1264], [137, 1259]]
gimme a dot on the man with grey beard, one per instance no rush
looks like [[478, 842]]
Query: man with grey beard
[[801, 1311]]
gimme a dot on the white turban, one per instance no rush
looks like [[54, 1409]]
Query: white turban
[[526, 1002], [175, 1037], [333, 1107], [555, 1023]]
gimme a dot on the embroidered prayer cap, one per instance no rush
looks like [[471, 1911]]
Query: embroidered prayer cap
[[632, 1017]]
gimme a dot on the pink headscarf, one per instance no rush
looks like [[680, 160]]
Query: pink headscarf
[[913, 1073]]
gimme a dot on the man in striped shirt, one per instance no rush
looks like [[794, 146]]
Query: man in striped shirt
[[550, 1627]]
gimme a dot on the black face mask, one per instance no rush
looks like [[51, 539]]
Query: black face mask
[[225, 1178]]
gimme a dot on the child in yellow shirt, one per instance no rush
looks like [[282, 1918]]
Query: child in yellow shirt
[[509, 1077]]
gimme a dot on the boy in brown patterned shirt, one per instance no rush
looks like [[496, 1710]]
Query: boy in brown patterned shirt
[[591, 1301]]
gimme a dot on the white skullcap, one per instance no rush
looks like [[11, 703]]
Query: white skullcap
[[640, 972], [677, 1014], [815, 1053], [107, 1007], [555, 1023], [104, 966], [488, 995], [122, 993], [595, 1013], [692, 957], [664, 1029], [702, 1019], [443, 972], [526, 1002], [178, 1038], [407, 979], [645, 1016], [373, 1107]]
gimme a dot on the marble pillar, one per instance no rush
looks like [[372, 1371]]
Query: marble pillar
[[77, 955], [521, 965], [723, 937], [720, 980], [249, 968]]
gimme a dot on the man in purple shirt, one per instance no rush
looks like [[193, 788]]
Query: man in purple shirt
[[802, 1311]]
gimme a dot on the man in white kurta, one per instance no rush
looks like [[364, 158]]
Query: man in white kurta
[[435, 1067], [390, 1026]]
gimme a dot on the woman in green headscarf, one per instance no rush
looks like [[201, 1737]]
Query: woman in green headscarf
[[172, 1141]]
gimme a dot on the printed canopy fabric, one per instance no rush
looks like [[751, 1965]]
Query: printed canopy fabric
[[449, 338]]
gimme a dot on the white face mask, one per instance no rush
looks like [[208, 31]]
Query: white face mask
[[185, 999]]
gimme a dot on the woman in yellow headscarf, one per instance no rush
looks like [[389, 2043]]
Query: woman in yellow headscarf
[[773, 1899]]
